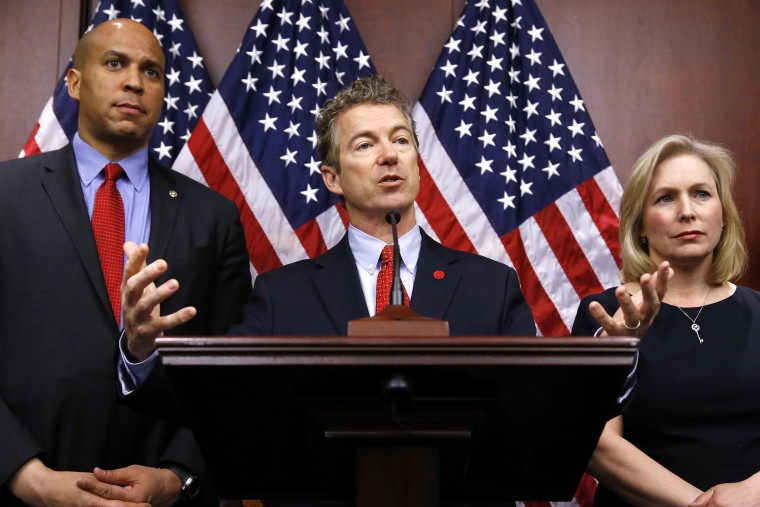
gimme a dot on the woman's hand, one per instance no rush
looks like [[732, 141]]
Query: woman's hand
[[736, 494], [638, 311]]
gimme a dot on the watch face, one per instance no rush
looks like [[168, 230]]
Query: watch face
[[190, 488]]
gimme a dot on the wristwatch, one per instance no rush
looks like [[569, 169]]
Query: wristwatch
[[191, 486]]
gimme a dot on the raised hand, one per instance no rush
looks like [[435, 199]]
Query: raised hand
[[141, 299], [637, 311]]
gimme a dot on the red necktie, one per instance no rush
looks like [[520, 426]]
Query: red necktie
[[108, 226], [385, 280]]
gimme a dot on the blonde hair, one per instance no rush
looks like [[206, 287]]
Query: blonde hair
[[730, 254]]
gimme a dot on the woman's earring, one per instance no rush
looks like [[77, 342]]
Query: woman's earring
[[643, 241]]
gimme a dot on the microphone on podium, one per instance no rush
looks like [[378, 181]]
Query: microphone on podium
[[393, 217], [396, 320]]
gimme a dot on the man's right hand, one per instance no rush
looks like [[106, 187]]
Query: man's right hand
[[141, 299], [39, 486]]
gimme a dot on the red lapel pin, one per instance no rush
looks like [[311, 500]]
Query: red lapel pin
[[438, 274]]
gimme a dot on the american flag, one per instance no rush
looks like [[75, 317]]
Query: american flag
[[188, 86], [256, 141], [512, 167]]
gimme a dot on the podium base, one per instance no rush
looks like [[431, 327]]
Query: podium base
[[398, 476]]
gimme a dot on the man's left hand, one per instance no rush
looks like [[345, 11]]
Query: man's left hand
[[157, 486]]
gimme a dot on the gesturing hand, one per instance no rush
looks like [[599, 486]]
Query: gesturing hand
[[141, 299], [636, 312]]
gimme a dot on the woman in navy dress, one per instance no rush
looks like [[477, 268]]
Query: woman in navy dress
[[690, 436]]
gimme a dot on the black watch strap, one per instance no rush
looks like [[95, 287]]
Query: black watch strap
[[191, 486]]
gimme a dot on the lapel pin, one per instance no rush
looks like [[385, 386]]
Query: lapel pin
[[173, 193], [438, 274]]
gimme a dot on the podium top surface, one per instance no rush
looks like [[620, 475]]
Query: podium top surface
[[315, 350]]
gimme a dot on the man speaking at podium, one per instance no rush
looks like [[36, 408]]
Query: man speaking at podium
[[368, 146], [369, 150]]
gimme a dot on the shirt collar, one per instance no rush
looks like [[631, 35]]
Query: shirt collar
[[366, 248], [91, 162]]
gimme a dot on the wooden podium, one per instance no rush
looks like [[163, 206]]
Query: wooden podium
[[398, 421]]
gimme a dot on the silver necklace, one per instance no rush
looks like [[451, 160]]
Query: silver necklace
[[694, 326]]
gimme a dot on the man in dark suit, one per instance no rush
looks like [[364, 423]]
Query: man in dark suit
[[60, 413], [369, 148], [475, 295]]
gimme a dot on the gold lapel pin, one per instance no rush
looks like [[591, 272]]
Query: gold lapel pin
[[173, 193]]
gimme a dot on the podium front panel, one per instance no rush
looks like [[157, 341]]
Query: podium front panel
[[512, 418]]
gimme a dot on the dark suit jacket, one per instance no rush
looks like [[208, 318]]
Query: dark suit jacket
[[476, 295], [58, 336]]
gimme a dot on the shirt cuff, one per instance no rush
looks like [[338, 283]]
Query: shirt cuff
[[132, 375]]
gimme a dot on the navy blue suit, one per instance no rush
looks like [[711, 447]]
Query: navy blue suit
[[476, 295]]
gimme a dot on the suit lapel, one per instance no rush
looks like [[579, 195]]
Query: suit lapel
[[60, 180], [166, 197], [337, 283], [433, 294]]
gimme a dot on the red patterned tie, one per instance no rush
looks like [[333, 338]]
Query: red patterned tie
[[385, 279], [108, 226]]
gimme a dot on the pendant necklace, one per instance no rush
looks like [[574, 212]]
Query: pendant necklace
[[694, 326]]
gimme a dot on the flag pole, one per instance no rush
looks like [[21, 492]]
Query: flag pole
[[85, 13]]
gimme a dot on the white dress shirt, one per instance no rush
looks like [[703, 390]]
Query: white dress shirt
[[367, 249]]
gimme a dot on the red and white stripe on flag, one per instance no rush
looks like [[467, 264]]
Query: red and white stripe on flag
[[512, 168], [47, 134], [255, 143]]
